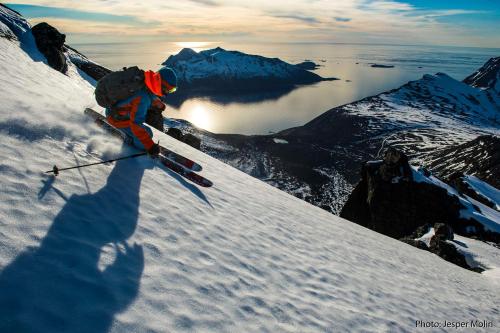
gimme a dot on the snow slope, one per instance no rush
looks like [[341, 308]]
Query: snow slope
[[432, 113], [133, 248]]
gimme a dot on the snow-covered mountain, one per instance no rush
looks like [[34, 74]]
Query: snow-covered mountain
[[132, 247], [213, 69], [487, 77], [434, 112]]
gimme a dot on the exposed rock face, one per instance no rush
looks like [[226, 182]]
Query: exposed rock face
[[388, 200], [50, 42], [444, 231], [438, 244], [401, 202], [187, 138], [90, 68], [447, 251], [487, 76], [479, 157]]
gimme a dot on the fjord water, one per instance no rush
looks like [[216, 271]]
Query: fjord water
[[351, 63]]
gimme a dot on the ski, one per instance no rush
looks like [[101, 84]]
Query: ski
[[184, 172], [177, 158], [171, 164]]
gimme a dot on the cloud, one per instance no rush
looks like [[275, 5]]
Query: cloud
[[394, 21], [35, 11], [307, 19], [207, 2], [390, 6], [342, 19]]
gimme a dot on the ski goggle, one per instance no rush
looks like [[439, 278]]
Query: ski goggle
[[167, 88]]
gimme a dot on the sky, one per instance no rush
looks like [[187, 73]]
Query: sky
[[431, 22]]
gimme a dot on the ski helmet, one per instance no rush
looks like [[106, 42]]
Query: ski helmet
[[169, 80]]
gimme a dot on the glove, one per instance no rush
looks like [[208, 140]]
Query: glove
[[157, 105], [154, 151]]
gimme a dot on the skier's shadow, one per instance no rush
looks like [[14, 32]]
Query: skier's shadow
[[58, 286]]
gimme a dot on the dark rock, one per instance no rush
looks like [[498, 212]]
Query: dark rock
[[175, 133], [50, 43], [192, 140], [90, 68], [308, 65], [416, 243], [187, 138], [447, 251], [388, 201], [420, 231], [443, 230], [395, 166], [93, 70], [382, 66]]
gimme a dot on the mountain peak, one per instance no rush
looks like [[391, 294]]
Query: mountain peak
[[486, 77]]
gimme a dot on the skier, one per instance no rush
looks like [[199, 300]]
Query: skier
[[130, 114]]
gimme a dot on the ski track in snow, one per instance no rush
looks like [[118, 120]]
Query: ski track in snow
[[132, 247]]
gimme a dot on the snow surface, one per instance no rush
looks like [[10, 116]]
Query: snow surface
[[484, 189], [488, 217], [132, 247], [281, 141]]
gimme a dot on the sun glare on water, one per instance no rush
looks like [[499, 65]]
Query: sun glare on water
[[200, 117]]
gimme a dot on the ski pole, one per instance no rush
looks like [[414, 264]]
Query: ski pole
[[56, 170]]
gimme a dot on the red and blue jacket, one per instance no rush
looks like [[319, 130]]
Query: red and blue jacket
[[131, 112]]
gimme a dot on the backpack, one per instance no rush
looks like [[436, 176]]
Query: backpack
[[117, 86]]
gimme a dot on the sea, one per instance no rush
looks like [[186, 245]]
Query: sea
[[350, 63]]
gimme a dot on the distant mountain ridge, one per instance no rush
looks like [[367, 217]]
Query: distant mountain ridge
[[217, 69]]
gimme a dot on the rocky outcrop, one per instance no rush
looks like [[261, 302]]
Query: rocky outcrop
[[447, 251], [89, 67], [389, 200], [394, 199], [50, 43], [444, 231], [438, 244], [187, 138]]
